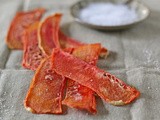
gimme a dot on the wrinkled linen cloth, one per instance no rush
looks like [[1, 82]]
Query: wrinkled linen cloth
[[134, 58]]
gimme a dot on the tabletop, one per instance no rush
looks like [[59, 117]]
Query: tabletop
[[134, 57]]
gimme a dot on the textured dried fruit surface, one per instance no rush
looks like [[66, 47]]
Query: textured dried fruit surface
[[45, 92], [107, 86], [32, 55], [88, 53], [78, 96], [48, 33], [21, 21]]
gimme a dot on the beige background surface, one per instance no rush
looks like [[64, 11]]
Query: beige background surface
[[135, 58]]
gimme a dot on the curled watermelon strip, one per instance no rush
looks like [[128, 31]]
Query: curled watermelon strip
[[107, 86], [32, 55], [21, 21], [48, 33], [77, 95], [46, 90]]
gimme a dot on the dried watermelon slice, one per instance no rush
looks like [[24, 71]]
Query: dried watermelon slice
[[78, 96], [46, 90], [48, 33], [21, 21], [67, 42], [107, 86], [88, 53], [32, 55]]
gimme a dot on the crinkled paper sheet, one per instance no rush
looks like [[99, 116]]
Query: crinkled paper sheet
[[134, 57]]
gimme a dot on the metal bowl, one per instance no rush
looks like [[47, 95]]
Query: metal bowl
[[141, 10]]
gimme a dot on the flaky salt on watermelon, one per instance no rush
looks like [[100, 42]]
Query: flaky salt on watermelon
[[32, 55], [77, 95], [21, 21], [48, 33], [107, 86], [46, 90]]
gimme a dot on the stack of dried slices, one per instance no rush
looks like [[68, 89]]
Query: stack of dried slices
[[64, 67]]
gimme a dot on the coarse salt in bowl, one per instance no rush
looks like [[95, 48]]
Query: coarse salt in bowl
[[107, 15]]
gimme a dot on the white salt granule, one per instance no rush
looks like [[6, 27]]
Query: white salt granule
[[108, 14], [78, 96]]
